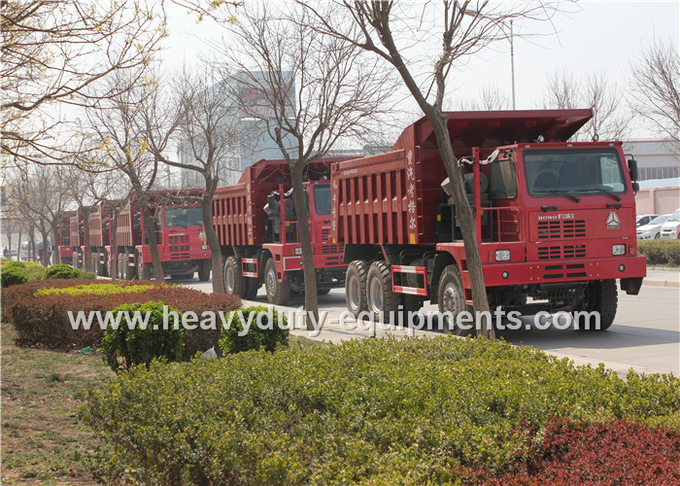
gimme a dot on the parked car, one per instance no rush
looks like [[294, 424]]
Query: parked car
[[652, 230], [644, 219], [671, 227]]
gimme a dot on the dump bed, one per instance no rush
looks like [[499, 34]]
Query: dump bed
[[392, 198], [238, 210]]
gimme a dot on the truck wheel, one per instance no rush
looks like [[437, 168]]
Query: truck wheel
[[452, 301], [204, 270], [601, 296], [94, 264], [277, 292], [143, 271], [382, 302], [355, 287], [234, 281], [252, 286], [130, 272], [103, 268]]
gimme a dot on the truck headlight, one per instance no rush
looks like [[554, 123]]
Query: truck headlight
[[502, 255], [201, 236], [618, 249], [298, 251]]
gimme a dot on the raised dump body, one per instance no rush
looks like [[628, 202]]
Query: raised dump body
[[259, 239], [555, 221]]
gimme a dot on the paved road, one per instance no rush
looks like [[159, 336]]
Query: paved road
[[645, 335]]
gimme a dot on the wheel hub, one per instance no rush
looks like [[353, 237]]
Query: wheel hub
[[353, 293], [229, 280], [375, 296]]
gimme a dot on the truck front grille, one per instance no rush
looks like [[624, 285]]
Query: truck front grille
[[568, 228], [330, 249], [558, 252], [570, 270]]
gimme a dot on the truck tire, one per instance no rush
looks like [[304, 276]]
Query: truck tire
[[323, 291], [252, 286], [234, 281], [452, 300], [382, 302], [355, 287], [601, 296], [94, 264], [278, 293], [143, 271], [129, 272], [103, 268], [204, 270]]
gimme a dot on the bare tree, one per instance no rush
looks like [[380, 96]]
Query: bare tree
[[610, 121], [656, 88], [459, 30], [313, 90], [203, 115], [115, 128], [53, 51], [42, 193]]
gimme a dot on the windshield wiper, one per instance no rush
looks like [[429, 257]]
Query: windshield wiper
[[604, 191], [563, 193]]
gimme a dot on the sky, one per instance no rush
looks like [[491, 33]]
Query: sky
[[593, 37]]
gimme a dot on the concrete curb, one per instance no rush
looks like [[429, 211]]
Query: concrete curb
[[656, 282]]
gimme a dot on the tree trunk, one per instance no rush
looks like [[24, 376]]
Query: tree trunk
[[31, 246], [45, 253], [85, 211], [465, 219], [213, 242], [311, 297], [113, 273], [18, 247], [150, 230], [55, 239]]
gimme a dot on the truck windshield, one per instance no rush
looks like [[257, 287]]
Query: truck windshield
[[574, 172], [322, 199], [184, 216]]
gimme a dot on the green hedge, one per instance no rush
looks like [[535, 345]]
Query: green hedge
[[661, 252], [378, 411], [125, 347], [34, 271], [267, 330], [12, 275]]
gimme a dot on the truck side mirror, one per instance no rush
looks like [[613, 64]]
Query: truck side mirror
[[633, 169], [636, 188]]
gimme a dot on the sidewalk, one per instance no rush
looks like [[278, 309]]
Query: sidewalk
[[662, 277]]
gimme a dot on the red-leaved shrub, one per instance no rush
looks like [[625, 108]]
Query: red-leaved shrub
[[612, 453], [44, 320]]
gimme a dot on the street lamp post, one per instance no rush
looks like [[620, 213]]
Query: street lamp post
[[512, 64]]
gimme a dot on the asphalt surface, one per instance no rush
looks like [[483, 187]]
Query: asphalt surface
[[645, 335]]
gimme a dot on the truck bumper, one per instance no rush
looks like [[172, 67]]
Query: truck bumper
[[565, 271]]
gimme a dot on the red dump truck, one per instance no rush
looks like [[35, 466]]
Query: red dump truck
[[65, 242], [179, 233], [100, 224], [555, 220], [256, 226]]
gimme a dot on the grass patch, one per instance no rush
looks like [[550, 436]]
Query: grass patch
[[42, 438]]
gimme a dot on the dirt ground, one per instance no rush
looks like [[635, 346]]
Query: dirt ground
[[43, 441]]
